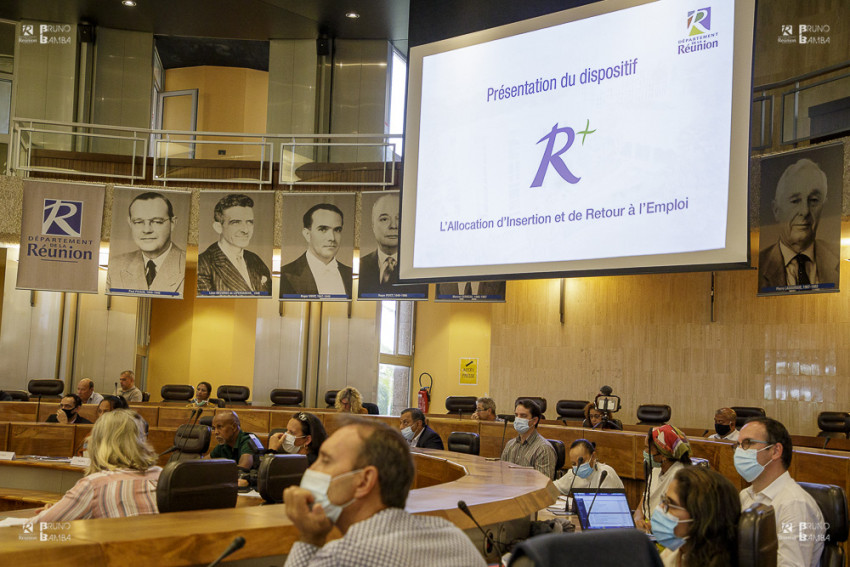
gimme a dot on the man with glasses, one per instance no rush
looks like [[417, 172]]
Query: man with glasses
[[724, 425], [485, 410], [762, 457]]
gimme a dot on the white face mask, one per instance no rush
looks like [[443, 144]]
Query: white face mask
[[288, 443], [407, 433], [318, 484], [521, 425]]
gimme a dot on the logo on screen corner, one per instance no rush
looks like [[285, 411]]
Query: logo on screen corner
[[553, 158], [699, 21], [62, 218]]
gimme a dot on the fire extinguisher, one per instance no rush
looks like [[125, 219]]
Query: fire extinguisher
[[425, 393]]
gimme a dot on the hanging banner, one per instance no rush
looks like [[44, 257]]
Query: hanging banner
[[488, 292], [800, 221], [60, 236], [317, 246], [147, 245], [379, 236], [236, 234]]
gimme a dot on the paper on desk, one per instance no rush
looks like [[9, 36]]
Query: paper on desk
[[5, 522]]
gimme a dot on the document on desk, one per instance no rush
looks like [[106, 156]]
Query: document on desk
[[6, 522]]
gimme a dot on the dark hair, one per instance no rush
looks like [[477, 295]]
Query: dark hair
[[714, 505], [312, 426], [208, 385], [531, 406], [116, 402], [776, 434], [232, 200], [307, 219], [78, 401], [588, 446], [386, 450], [150, 196], [415, 414]]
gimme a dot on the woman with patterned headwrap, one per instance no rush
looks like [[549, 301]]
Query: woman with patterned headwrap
[[666, 451]]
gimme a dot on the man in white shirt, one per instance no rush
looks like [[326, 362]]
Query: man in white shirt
[[724, 425], [317, 271], [85, 389], [762, 456]]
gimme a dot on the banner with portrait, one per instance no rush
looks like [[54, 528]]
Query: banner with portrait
[[147, 245], [483, 292], [235, 243], [379, 241], [800, 221], [317, 246], [60, 236]]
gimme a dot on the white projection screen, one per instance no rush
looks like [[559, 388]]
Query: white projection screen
[[610, 138]]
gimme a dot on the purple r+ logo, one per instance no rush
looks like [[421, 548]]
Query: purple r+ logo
[[555, 158]]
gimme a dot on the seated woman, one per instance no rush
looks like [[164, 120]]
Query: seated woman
[[586, 469], [304, 435], [349, 400], [595, 419], [202, 395], [697, 520], [666, 452], [111, 403], [121, 479]]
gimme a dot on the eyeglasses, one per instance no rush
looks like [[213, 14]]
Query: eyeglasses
[[666, 504], [747, 444]]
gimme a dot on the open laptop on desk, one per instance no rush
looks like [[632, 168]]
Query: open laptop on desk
[[609, 511]]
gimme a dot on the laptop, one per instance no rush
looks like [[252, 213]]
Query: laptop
[[609, 511]]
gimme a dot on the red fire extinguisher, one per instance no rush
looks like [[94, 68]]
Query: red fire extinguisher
[[425, 393]]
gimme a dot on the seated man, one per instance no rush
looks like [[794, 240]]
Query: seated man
[[762, 456], [128, 387], [85, 389], [417, 434], [233, 443], [69, 411], [724, 425], [485, 410], [360, 484], [529, 448]]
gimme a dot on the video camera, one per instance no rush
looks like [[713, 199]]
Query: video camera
[[606, 401]]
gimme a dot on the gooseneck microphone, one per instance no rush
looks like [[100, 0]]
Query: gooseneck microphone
[[487, 535], [575, 476], [235, 545], [507, 419], [177, 442], [592, 502]]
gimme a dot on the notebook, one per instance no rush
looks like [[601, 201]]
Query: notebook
[[610, 510]]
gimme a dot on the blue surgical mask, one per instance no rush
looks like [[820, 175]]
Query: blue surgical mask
[[663, 526], [318, 483], [746, 463], [584, 470], [521, 425], [647, 458], [407, 433]]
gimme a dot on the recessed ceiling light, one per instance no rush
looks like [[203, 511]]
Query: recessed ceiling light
[[129, 3], [352, 15]]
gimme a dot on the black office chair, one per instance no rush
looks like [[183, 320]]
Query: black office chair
[[560, 456], [834, 424], [277, 472], [146, 396], [217, 402], [206, 420], [234, 395], [833, 505], [541, 402], [177, 392], [286, 397], [757, 543], [571, 410], [17, 395], [653, 414], [201, 484], [46, 389], [371, 408], [460, 405], [744, 413], [330, 398], [464, 442], [600, 548], [192, 442]]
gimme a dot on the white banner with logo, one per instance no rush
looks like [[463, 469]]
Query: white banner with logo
[[60, 236]]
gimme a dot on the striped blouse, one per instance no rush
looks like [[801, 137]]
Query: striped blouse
[[106, 494]]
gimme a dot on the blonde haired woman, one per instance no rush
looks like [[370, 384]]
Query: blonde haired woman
[[349, 400], [121, 479]]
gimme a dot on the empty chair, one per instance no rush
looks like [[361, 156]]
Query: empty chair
[[572, 410], [146, 396], [206, 420], [653, 414], [600, 548], [833, 505], [286, 397], [192, 442], [541, 402], [234, 395], [17, 395], [460, 405], [757, 543], [560, 456], [744, 413], [834, 424], [278, 472], [201, 484], [464, 442], [177, 392], [330, 398], [47, 388]]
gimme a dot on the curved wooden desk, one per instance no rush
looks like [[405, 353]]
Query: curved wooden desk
[[496, 492]]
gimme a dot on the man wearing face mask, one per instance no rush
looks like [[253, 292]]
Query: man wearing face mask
[[68, 412], [586, 469], [724, 425], [416, 433], [762, 457], [529, 448], [360, 484]]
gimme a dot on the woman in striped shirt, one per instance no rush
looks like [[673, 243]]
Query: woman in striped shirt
[[120, 481]]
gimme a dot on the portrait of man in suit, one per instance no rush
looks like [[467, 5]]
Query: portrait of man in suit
[[493, 291], [798, 257], [379, 268], [157, 265], [317, 271], [226, 267]]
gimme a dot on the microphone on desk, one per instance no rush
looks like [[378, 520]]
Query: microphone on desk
[[177, 445], [592, 502], [507, 419], [575, 476], [235, 545], [116, 389], [488, 536]]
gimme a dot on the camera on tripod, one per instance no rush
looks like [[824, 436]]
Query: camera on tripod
[[607, 403]]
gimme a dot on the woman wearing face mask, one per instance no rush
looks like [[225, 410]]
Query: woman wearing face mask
[[666, 452], [586, 469], [696, 520], [304, 435], [202, 395]]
